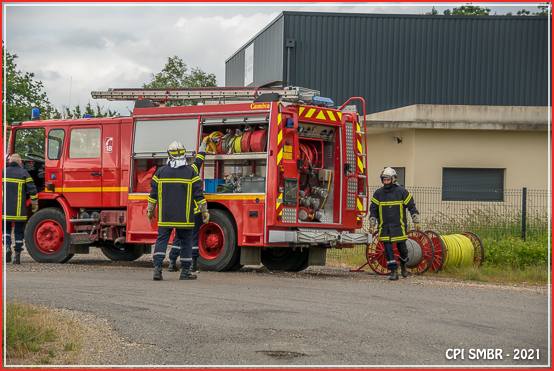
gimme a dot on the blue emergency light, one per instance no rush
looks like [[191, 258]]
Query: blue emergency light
[[322, 101], [87, 116], [35, 113]]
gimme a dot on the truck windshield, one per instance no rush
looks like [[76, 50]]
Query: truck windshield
[[156, 135]]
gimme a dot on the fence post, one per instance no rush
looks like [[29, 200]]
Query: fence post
[[524, 213]]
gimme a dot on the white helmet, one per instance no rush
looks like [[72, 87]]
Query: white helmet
[[176, 150], [388, 172]]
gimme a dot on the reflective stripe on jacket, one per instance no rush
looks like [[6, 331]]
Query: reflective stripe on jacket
[[389, 206], [19, 185]]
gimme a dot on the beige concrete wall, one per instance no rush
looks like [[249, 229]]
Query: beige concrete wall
[[424, 153]]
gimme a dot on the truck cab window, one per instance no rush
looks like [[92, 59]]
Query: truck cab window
[[84, 143], [29, 144], [55, 143]]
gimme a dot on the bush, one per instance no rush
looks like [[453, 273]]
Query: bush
[[516, 253]]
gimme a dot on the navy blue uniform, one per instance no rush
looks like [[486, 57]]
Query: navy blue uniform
[[18, 186], [177, 191], [388, 206]]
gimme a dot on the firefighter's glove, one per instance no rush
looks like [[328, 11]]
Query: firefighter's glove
[[34, 206], [150, 210], [202, 147], [372, 224], [416, 220], [205, 213]]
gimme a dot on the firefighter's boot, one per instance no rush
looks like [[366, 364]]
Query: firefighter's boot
[[172, 266], [393, 275], [194, 267], [17, 258], [9, 256], [186, 275], [158, 273], [403, 270]]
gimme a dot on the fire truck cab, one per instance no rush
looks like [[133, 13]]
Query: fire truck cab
[[287, 180]]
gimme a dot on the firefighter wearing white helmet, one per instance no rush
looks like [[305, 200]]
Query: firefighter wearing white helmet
[[388, 213], [176, 189]]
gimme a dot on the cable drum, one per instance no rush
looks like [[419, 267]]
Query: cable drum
[[415, 255], [460, 250]]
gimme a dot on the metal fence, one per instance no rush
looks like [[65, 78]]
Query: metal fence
[[522, 213]]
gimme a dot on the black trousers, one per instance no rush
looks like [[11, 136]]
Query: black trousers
[[175, 250], [184, 235], [18, 231], [389, 253]]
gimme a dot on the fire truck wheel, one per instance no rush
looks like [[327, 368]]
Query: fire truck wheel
[[217, 243], [285, 259], [46, 238], [126, 253]]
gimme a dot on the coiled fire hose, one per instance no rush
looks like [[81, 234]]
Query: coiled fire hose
[[459, 251]]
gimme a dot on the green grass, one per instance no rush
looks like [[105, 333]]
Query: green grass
[[528, 275], [37, 335]]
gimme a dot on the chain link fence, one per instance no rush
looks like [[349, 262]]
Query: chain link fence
[[522, 213]]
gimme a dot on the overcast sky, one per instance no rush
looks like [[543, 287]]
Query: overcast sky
[[77, 49]]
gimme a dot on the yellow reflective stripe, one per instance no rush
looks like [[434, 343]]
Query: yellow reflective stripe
[[380, 217], [34, 197], [402, 220], [301, 110], [279, 201], [201, 202], [14, 180], [88, 189], [279, 119], [200, 156], [11, 217], [310, 112], [175, 224], [221, 197], [29, 180], [138, 197], [19, 194], [176, 180], [408, 199], [189, 198], [279, 137], [375, 201], [150, 199], [321, 116], [391, 203], [279, 156], [155, 178], [160, 202], [195, 179], [195, 168], [331, 115], [360, 165], [400, 238], [359, 204], [384, 238], [358, 127], [339, 114], [359, 145]]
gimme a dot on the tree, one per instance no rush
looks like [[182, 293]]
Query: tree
[[97, 111], [23, 93], [432, 12], [468, 10], [176, 74]]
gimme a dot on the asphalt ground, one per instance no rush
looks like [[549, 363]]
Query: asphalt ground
[[322, 316]]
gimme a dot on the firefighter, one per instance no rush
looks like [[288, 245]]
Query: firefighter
[[388, 211], [198, 219], [19, 186], [176, 189]]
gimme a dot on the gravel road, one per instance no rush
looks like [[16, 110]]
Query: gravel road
[[317, 317]]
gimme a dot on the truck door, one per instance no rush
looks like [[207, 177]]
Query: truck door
[[82, 176], [111, 165]]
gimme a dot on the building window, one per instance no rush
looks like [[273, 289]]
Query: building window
[[400, 175], [85, 143], [472, 184], [55, 143]]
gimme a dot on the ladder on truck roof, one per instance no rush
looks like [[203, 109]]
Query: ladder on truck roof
[[288, 93]]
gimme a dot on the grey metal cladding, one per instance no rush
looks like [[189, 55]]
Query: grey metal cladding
[[394, 61], [268, 57], [398, 60]]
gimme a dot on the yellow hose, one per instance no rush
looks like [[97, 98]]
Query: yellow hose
[[459, 250], [328, 189]]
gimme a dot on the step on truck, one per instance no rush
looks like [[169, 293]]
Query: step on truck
[[287, 180]]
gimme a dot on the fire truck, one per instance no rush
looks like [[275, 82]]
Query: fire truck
[[287, 179]]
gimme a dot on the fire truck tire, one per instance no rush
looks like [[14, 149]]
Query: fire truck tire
[[46, 238], [127, 253], [217, 241], [285, 259]]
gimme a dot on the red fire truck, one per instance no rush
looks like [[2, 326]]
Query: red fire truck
[[287, 180]]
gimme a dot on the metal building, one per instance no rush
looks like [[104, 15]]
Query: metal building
[[400, 60]]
